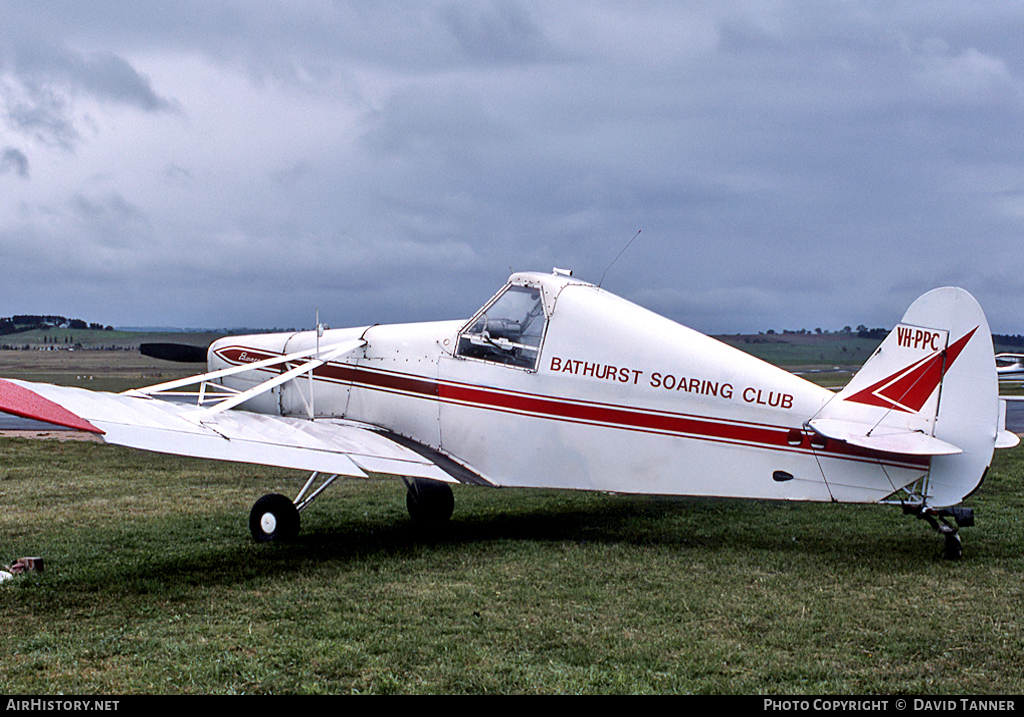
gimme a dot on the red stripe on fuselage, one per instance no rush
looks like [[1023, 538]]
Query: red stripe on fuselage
[[598, 414]]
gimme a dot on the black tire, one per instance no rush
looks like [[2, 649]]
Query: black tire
[[430, 502], [952, 550], [273, 517]]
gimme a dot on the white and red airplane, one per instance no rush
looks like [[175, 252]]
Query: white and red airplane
[[557, 383], [1010, 367]]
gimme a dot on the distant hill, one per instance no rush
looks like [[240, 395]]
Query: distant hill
[[847, 349], [57, 337], [29, 322]]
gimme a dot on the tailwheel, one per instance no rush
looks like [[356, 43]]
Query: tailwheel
[[953, 550], [273, 517], [939, 519], [430, 502]]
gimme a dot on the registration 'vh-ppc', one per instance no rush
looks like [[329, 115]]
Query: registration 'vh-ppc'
[[557, 383]]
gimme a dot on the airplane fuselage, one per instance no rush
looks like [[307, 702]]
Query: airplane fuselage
[[604, 396]]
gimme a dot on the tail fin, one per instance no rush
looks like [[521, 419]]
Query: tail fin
[[930, 389]]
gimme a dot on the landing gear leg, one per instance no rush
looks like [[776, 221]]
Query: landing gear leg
[[430, 502], [939, 519]]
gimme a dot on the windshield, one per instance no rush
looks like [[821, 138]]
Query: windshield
[[509, 331]]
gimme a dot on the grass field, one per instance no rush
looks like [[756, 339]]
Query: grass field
[[104, 361], [153, 585]]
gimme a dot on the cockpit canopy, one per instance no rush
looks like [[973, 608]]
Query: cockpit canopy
[[510, 328]]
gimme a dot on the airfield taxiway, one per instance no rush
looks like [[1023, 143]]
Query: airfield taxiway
[[1015, 414]]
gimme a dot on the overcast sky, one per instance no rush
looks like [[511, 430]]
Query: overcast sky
[[789, 164]]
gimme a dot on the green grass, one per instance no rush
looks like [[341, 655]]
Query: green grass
[[97, 339], [810, 350], [153, 585], [103, 361], [95, 369]]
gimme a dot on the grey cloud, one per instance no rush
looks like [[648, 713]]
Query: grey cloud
[[177, 174], [369, 155], [111, 222], [39, 113], [13, 160], [442, 121], [495, 32], [43, 81], [103, 75]]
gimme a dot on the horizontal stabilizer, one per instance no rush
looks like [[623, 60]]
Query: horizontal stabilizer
[[1004, 438], [883, 438]]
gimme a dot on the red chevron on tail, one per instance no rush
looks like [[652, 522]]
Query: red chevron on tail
[[909, 388]]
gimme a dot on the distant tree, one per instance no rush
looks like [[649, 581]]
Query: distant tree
[[865, 333], [1008, 340]]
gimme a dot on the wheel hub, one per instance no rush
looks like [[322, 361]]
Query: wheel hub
[[268, 522]]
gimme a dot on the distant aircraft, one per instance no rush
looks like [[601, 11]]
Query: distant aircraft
[[1010, 367], [558, 383]]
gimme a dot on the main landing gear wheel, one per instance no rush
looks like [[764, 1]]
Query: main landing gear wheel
[[430, 502], [273, 517]]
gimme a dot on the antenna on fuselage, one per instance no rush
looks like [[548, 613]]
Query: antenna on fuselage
[[618, 255]]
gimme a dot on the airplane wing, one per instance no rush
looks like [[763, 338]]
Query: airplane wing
[[158, 419], [325, 445]]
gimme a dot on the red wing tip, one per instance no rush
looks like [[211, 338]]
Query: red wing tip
[[26, 403]]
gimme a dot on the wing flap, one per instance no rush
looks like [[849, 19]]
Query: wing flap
[[324, 445]]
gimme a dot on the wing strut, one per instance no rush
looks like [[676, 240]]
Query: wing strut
[[226, 398], [302, 500]]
